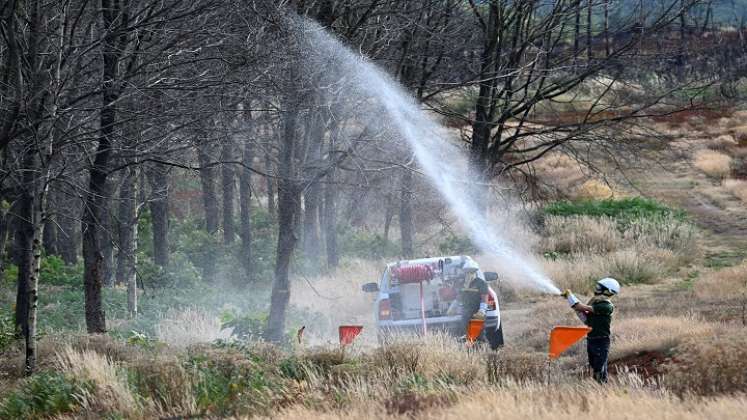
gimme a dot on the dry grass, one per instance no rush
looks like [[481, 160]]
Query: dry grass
[[721, 143], [522, 401], [110, 392], [580, 234], [712, 163], [658, 334], [740, 134], [584, 234], [630, 265], [190, 326], [723, 285], [737, 187], [710, 365], [594, 190], [560, 171]]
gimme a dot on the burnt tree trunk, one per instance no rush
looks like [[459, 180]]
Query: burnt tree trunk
[[312, 196], [158, 178], [245, 207], [288, 203], [228, 183]]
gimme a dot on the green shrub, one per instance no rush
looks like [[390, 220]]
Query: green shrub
[[7, 329], [621, 209], [457, 245], [45, 394], [366, 245], [54, 271]]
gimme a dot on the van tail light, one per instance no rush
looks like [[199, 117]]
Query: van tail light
[[385, 309], [491, 302]]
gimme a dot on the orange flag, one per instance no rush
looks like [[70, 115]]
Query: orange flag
[[348, 333], [561, 338], [474, 328]]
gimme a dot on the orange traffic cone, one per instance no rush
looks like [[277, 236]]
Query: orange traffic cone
[[561, 338]]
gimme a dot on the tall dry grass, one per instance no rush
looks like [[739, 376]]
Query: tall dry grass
[[738, 188], [710, 365], [591, 248], [110, 391], [723, 285], [535, 401], [190, 326], [656, 333], [713, 163]]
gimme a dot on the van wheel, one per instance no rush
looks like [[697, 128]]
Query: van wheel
[[495, 337]]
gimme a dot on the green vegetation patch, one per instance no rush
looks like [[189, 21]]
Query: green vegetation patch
[[45, 394], [625, 208]]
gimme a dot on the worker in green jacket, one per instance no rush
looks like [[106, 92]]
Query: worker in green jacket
[[597, 314]]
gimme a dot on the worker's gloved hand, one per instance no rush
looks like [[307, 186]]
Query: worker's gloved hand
[[478, 315], [572, 300]]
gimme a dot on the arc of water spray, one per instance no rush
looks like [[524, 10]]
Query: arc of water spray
[[444, 163]]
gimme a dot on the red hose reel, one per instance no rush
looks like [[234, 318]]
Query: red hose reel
[[415, 273]]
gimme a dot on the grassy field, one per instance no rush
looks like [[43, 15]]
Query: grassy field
[[675, 238]]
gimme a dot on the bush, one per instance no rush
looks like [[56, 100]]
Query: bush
[[54, 271], [710, 365], [622, 209], [738, 187], [45, 394], [457, 245], [367, 245], [714, 164], [7, 329]]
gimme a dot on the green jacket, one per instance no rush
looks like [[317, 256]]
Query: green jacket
[[601, 319]]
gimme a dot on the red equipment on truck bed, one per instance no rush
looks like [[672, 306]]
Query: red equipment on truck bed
[[415, 273]]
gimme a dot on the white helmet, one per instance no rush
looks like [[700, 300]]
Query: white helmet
[[470, 266], [608, 286]]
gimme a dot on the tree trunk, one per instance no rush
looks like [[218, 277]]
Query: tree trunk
[[288, 200], [245, 207], [128, 230], [270, 185], [229, 188], [589, 11], [128, 203], [158, 178], [4, 228], [106, 236], [69, 231], [484, 106], [23, 258], [330, 205], [312, 197], [405, 215], [93, 212], [209, 196], [607, 50], [388, 216]]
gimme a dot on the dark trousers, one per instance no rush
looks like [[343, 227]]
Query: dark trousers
[[598, 349]]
